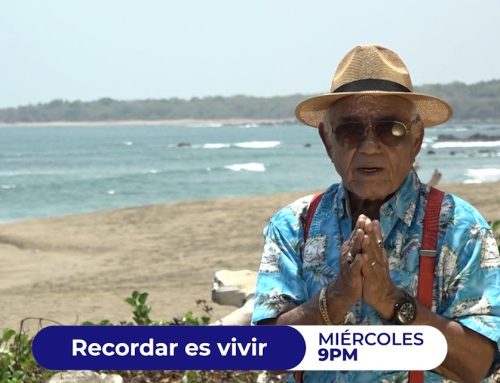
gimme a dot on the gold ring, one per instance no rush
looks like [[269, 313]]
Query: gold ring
[[380, 243], [373, 263]]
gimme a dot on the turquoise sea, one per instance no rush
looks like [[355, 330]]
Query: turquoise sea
[[50, 171]]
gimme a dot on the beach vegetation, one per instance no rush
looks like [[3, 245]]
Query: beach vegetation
[[17, 364], [141, 308]]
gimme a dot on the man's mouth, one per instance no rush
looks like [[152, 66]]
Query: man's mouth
[[369, 170]]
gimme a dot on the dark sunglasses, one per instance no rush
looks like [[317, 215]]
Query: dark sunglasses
[[351, 134]]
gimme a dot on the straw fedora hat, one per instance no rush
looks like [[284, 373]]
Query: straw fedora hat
[[372, 70]]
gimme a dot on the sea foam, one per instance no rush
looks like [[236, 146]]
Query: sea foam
[[244, 145], [249, 167], [476, 176], [216, 146], [466, 144], [258, 144]]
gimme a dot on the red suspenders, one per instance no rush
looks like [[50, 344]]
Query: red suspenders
[[427, 257], [310, 214]]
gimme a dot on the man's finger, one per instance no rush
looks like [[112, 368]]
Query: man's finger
[[368, 225], [357, 264], [360, 223], [377, 230]]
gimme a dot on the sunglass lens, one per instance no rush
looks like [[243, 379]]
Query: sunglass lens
[[349, 134]]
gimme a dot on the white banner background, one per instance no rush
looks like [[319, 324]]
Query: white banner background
[[392, 356]]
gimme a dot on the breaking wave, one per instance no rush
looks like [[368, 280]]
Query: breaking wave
[[476, 176], [249, 167]]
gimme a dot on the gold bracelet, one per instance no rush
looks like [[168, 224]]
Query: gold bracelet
[[323, 306]]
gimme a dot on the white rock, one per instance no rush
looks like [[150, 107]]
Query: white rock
[[268, 377], [233, 288], [84, 377], [238, 317], [111, 378], [263, 377]]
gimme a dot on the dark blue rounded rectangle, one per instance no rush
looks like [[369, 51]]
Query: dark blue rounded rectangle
[[168, 347]]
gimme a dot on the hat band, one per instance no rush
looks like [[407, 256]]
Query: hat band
[[371, 84]]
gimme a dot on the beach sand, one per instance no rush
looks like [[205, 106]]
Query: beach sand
[[82, 267]]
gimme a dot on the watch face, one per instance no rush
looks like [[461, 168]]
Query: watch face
[[406, 313]]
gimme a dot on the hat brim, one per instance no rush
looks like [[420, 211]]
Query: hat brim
[[432, 110]]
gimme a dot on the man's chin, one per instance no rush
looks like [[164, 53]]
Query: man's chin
[[372, 193]]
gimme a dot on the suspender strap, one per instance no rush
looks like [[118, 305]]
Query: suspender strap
[[310, 213], [428, 258], [428, 249]]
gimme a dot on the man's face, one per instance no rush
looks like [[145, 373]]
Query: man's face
[[371, 169]]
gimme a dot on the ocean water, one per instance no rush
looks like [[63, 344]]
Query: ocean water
[[50, 171]]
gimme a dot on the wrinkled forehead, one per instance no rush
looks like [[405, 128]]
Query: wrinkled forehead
[[372, 107]]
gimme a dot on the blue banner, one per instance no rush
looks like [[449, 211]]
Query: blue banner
[[169, 347]]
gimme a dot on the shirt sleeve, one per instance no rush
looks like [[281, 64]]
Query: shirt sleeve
[[279, 283], [469, 273]]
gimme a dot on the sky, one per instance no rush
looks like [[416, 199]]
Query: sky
[[128, 50]]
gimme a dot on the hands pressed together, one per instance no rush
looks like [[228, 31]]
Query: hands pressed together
[[364, 275], [364, 270]]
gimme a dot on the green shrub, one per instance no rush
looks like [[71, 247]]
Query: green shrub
[[17, 364]]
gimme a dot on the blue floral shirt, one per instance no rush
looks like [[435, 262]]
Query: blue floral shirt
[[467, 273]]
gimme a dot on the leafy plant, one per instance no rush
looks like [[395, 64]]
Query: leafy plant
[[17, 364], [103, 322], [189, 319], [141, 309]]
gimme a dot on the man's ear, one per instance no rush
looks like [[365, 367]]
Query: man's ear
[[419, 138], [326, 137]]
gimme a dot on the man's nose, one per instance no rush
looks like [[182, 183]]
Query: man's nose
[[370, 143]]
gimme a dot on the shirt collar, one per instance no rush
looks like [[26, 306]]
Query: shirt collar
[[340, 203], [403, 202]]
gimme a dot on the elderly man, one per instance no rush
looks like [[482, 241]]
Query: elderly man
[[357, 254]]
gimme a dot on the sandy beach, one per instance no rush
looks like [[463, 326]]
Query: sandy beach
[[82, 267]]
